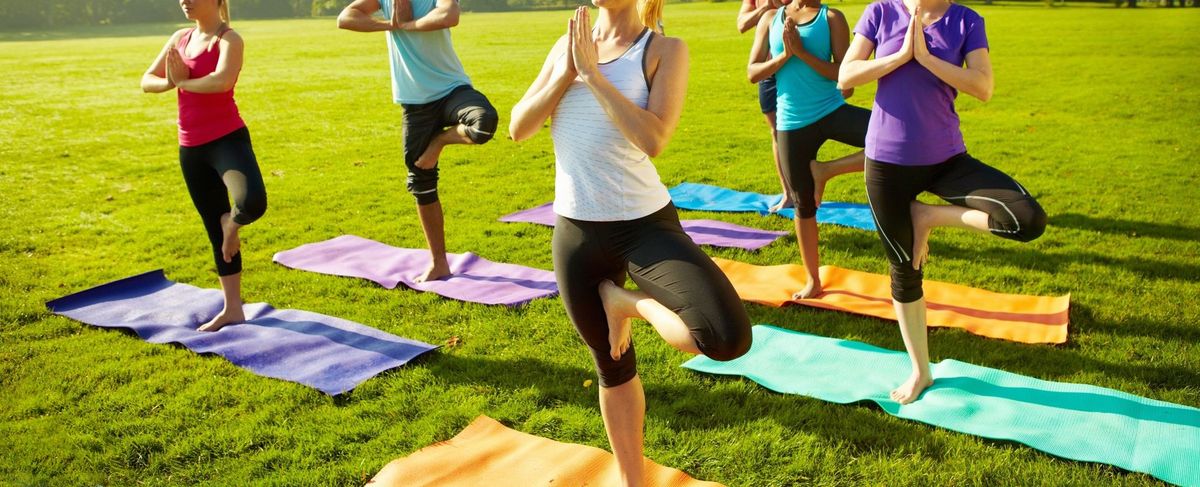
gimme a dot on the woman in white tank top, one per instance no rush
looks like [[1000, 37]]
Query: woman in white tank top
[[614, 93]]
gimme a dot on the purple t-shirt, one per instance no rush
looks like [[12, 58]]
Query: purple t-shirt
[[913, 122]]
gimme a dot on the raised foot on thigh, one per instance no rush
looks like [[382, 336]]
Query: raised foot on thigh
[[231, 243], [619, 317], [922, 227]]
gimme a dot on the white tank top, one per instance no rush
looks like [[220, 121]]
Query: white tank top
[[599, 174]]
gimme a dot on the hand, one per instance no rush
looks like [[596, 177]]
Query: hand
[[582, 46], [792, 44], [906, 49], [920, 48], [564, 67], [177, 70], [401, 14]]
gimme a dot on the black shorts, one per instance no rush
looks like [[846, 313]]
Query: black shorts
[[766, 95], [847, 124], [463, 106]]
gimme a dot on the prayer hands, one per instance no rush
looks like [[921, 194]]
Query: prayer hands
[[581, 46]]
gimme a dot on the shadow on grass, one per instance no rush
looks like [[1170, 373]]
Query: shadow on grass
[[1052, 262], [1127, 228], [164, 29]]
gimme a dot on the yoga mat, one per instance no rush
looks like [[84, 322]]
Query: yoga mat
[[1073, 421], [323, 352], [473, 278], [487, 453], [693, 196], [1025, 319], [703, 232]]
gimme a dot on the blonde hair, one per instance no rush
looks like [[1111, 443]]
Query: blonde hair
[[651, 13], [223, 8]]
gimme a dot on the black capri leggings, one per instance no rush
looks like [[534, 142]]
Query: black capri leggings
[[423, 122], [847, 124], [961, 180], [216, 171], [666, 264]]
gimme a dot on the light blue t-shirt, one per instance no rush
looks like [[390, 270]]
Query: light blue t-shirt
[[424, 64], [803, 96]]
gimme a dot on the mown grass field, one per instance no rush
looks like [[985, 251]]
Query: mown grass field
[[1095, 112]]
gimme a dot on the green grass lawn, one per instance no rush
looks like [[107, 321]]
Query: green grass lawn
[[1095, 111]]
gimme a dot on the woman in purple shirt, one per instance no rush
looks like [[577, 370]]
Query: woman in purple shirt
[[914, 145]]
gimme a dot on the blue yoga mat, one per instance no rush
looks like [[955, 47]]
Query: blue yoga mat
[[693, 196], [327, 353], [1074, 421]]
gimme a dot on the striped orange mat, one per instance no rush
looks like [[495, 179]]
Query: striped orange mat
[[1026, 319], [489, 454]]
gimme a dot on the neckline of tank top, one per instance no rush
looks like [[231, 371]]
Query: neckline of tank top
[[635, 42], [188, 40], [783, 13]]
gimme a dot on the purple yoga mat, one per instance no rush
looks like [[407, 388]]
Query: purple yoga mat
[[703, 232], [329, 354], [473, 278]]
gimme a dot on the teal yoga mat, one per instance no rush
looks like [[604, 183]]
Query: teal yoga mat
[[1073, 421]]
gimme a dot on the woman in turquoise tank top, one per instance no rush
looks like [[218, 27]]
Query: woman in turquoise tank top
[[802, 45]]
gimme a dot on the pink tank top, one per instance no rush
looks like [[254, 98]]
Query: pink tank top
[[205, 117]]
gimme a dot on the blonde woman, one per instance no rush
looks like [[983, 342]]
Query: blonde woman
[[615, 92], [202, 63]]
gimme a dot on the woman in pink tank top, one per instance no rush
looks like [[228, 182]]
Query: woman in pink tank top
[[202, 63]]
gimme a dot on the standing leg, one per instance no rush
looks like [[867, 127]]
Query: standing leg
[[211, 200], [890, 190], [580, 266], [421, 123], [797, 148]]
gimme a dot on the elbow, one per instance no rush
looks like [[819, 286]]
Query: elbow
[[451, 19], [344, 20], [986, 95], [654, 148]]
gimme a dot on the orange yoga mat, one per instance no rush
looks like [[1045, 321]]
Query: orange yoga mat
[[1026, 319], [489, 454]]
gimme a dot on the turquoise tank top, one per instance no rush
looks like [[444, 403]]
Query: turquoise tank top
[[803, 96], [425, 67]]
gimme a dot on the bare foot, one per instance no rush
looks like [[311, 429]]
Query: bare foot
[[429, 158], [921, 230], [225, 317], [812, 290], [783, 204], [911, 389], [231, 244], [619, 322], [820, 177], [438, 270]]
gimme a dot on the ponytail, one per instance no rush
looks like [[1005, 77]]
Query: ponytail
[[223, 7], [651, 13]]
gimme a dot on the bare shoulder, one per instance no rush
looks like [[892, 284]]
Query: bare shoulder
[[665, 47], [834, 13], [232, 39], [179, 34]]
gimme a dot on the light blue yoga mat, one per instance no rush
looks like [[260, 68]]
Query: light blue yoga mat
[[693, 196], [1073, 421]]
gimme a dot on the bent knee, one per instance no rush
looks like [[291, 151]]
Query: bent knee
[[481, 124], [1032, 226], [251, 209], [733, 342]]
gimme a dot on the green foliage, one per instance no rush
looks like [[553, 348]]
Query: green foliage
[[1099, 127]]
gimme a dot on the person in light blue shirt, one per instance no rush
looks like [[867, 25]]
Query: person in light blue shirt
[[440, 106]]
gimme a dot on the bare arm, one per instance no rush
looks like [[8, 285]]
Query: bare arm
[[975, 79], [154, 80], [542, 97], [225, 76], [749, 15], [359, 17], [839, 41], [443, 16], [762, 65], [648, 129], [857, 69]]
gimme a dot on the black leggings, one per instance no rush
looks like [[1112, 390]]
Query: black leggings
[[666, 264], [216, 171], [423, 122], [961, 180], [847, 124]]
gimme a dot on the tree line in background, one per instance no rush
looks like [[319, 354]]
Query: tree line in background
[[39, 14]]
